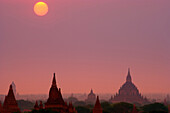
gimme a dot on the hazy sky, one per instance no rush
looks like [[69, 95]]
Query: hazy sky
[[88, 43]]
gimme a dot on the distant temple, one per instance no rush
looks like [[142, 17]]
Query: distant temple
[[55, 101], [97, 108], [91, 97], [72, 99], [167, 100], [128, 93], [14, 88], [10, 104]]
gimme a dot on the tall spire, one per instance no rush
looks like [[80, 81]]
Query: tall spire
[[128, 71], [55, 101], [91, 91], [54, 81], [128, 79], [97, 108]]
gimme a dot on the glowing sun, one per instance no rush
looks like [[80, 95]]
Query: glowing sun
[[41, 8]]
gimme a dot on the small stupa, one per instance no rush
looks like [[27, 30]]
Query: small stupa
[[97, 108]]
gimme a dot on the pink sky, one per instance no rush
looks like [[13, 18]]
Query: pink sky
[[88, 43]]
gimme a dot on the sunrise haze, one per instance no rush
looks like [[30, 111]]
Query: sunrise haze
[[87, 43]]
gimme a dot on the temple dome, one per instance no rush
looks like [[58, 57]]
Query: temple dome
[[92, 94], [128, 87], [91, 97], [128, 92]]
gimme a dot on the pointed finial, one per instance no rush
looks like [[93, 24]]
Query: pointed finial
[[97, 101], [10, 87], [128, 71], [54, 80], [128, 78], [91, 90], [97, 98]]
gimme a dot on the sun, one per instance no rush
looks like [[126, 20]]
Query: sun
[[41, 8]]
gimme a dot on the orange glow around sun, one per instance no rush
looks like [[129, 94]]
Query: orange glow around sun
[[41, 8]]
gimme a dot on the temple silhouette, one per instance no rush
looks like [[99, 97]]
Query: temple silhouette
[[10, 104], [91, 98], [128, 92], [97, 107], [55, 101]]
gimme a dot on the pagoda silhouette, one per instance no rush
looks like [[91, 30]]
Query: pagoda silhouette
[[97, 108], [55, 101], [10, 104], [128, 92], [91, 97]]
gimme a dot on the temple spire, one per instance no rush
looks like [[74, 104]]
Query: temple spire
[[91, 91], [128, 71], [97, 108], [55, 100], [128, 79], [10, 104], [54, 81]]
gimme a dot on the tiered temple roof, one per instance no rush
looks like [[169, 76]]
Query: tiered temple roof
[[10, 105], [55, 101], [129, 92]]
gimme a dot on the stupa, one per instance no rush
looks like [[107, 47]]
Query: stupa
[[91, 97], [97, 108], [129, 93], [55, 101], [10, 105]]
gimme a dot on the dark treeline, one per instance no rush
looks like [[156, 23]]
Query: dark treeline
[[107, 107]]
